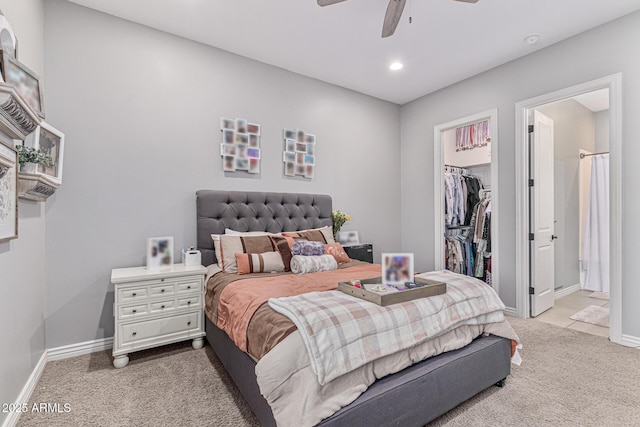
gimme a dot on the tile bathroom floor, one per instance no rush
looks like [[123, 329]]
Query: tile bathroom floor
[[569, 305]]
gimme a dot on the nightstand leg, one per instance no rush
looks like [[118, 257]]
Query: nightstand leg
[[197, 343], [121, 361]]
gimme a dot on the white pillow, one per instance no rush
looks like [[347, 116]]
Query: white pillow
[[247, 233]]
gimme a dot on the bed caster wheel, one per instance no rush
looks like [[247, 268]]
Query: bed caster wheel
[[501, 383]]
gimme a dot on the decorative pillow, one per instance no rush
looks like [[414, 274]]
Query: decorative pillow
[[283, 245], [259, 263], [307, 248], [337, 251], [323, 234], [231, 245], [230, 232], [312, 264]]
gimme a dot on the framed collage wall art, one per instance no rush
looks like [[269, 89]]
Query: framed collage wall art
[[299, 155], [8, 193], [240, 146]]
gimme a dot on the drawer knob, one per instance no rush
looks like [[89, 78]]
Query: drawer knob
[[134, 294], [161, 290], [162, 306], [188, 302], [189, 323], [135, 311], [135, 333], [189, 287], [162, 280]]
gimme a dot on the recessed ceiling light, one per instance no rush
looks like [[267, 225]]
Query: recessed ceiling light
[[395, 66], [532, 39]]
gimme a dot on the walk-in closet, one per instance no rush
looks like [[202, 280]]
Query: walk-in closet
[[467, 190]]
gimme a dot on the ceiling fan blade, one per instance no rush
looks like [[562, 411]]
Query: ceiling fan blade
[[328, 2], [465, 1], [392, 17]]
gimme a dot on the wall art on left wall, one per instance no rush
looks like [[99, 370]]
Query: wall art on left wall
[[240, 146], [8, 193]]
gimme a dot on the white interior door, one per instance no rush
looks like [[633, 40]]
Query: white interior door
[[542, 246]]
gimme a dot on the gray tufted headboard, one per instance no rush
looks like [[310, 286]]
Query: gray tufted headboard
[[256, 211]]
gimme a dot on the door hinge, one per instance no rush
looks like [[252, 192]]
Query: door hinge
[[530, 128], [531, 236], [531, 291], [530, 183]]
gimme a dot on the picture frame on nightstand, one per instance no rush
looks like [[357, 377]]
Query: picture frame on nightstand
[[348, 237], [159, 252]]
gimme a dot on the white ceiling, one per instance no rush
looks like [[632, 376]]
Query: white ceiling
[[447, 42], [595, 101]]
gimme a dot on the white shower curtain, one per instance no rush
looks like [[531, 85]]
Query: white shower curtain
[[595, 250]]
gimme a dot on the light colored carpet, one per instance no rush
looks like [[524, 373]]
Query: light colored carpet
[[593, 314], [568, 378], [600, 295]]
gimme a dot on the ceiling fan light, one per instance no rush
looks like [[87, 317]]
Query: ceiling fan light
[[532, 39], [395, 66]]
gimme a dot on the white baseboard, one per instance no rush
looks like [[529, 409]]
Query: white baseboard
[[49, 355], [566, 291], [73, 350], [27, 390], [630, 341], [510, 311]]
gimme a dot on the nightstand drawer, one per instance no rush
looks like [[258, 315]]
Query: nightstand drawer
[[191, 286], [192, 301], [159, 290], [160, 306], [132, 293], [132, 310], [150, 329]]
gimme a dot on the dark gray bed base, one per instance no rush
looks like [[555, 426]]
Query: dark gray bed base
[[412, 397]]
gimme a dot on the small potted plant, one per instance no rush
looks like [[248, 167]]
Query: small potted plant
[[29, 159]]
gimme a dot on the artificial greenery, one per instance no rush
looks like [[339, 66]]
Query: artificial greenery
[[339, 218], [33, 155]]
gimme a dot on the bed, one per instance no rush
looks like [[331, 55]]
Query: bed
[[411, 397]]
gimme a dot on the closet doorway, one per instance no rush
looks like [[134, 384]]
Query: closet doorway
[[466, 175], [577, 140]]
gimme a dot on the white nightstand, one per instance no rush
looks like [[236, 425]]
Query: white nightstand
[[154, 307]]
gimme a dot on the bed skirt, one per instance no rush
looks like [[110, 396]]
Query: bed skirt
[[411, 397]]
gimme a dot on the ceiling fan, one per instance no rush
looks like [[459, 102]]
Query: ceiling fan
[[392, 17]]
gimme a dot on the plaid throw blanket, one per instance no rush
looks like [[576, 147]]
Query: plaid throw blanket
[[342, 332]]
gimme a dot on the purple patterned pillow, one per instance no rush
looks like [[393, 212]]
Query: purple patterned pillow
[[307, 248]]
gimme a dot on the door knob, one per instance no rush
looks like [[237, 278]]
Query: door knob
[[553, 236]]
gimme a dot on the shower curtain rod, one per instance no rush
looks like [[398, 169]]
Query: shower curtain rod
[[583, 155]]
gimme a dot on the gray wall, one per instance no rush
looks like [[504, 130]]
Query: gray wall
[[141, 110], [22, 261], [574, 128], [559, 66]]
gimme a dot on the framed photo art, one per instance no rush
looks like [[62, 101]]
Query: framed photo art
[[397, 268], [159, 252], [298, 156], [240, 146], [8, 193], [348, 237], [25, 81], [50, 141]]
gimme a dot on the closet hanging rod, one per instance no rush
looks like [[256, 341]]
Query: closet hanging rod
[[583, 155]]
